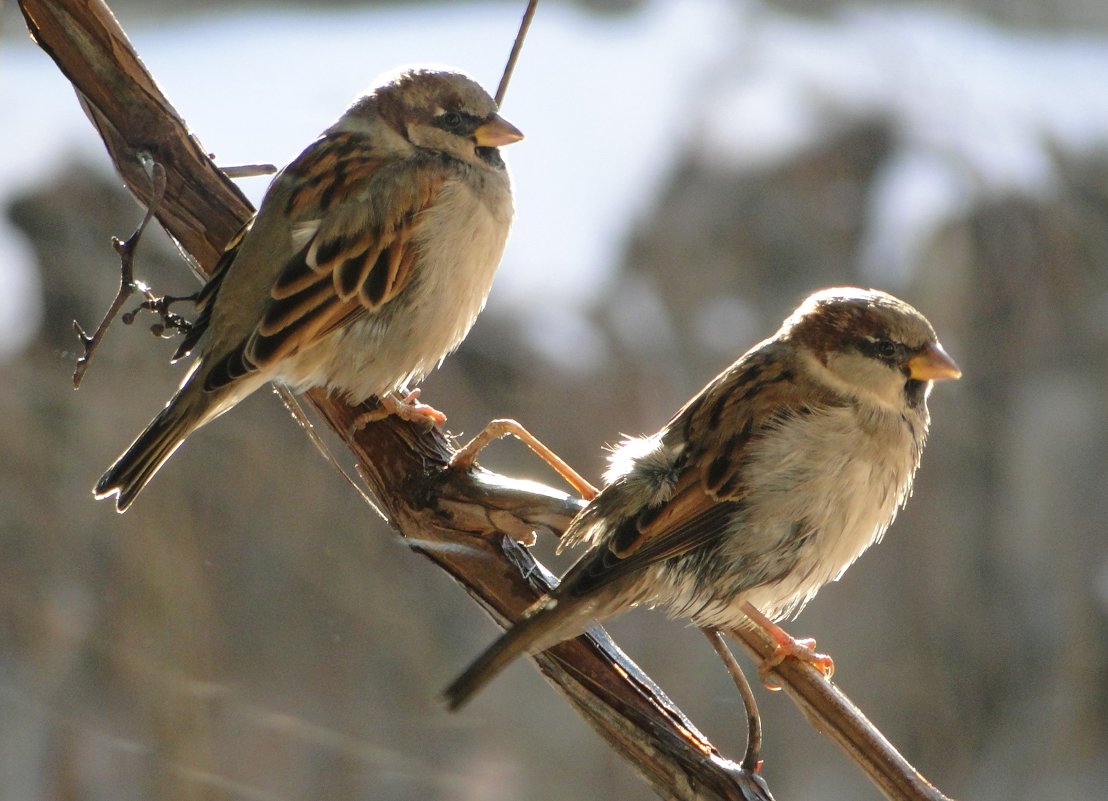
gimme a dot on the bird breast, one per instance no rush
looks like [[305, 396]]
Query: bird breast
[[823, 487], [460, 241]]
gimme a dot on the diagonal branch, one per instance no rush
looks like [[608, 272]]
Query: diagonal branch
[[838, 719], [466, 522]]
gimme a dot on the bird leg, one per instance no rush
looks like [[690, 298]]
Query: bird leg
[[465, 458], [407, 408], [171, 321], [803, 650]]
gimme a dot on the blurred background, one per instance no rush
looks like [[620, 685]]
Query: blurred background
[[250, 630]]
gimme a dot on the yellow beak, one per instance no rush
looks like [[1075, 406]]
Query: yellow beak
[[496, 132], [933, 364]]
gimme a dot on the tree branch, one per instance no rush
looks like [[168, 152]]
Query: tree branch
[[466, 522], [837, 718]]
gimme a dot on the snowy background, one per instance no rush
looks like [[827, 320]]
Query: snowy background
[[690, 170], [609, 105]]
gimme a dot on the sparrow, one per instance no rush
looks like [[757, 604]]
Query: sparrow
[[366, 264], [765, 486]]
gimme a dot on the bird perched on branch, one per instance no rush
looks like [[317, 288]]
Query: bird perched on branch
[[369, 259], [761, 489]]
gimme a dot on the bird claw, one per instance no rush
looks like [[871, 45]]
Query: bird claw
[[803, 649], [406, 408]]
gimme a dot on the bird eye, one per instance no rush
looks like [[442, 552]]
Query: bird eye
[[451, 120], [885, 348]]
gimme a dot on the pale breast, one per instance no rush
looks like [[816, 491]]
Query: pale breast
[[823, 488], [836, 480]]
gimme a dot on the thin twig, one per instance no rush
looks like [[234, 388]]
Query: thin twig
[[249, 170], [509, 68], [752, 761], [127, 284], [296, 409], [171, 322], [836, 717]]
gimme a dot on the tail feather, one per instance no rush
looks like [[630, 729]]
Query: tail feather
[[133, 470], [545, 627]]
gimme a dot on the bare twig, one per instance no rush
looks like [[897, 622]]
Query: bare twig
[[296, 409], [752, 761], [160, 304], [127, 284], [787, 647], [249, 170], [833, 714], [509, 68]]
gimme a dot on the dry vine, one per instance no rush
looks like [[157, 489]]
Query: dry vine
[[466, 521], [126, 249]]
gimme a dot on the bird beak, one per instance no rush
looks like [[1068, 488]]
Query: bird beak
[[496, 132], [933, 364]]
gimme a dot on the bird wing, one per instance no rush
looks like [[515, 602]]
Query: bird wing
[[205, 298], [354, 216], [720, 425]]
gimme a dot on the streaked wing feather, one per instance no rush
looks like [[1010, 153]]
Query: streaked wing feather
[[758, 393], [718, 424], [604, 566], [353, 263], [205, 298], [306, 328], [285, 312]]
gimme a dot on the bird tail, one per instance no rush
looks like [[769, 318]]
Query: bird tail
[[133, 470], [537, 631]]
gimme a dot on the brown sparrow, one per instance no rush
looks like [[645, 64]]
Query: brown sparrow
[[761, 489], [368, 261]]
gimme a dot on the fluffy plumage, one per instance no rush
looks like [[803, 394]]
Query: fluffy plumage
[[367, 263], [762, 488]]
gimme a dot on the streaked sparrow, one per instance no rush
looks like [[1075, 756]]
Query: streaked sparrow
[[764, 487], [368, 261]]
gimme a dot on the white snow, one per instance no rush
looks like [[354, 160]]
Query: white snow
[[608, 103]]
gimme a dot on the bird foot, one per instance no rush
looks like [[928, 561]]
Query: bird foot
[[803, 650], [407, 408]]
